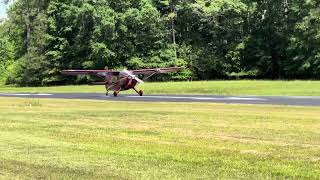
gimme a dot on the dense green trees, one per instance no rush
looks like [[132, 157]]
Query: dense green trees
[[213, 38]]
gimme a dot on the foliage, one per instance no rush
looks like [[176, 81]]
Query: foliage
[[7, 54], [213, 38]]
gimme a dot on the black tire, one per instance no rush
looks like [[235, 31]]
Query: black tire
[[115, 94], [141, 93]]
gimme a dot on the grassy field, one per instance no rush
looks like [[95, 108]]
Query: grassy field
[[295, 88], [63, 139]]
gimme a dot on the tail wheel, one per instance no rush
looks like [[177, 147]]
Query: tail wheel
[[141, 93], [115, 94]]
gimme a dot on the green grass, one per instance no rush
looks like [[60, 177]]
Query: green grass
[[245, 87], [74, 139]]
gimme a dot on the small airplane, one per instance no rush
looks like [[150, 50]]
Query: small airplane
[[117, 81]]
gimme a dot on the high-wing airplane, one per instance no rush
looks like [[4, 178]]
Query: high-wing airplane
[[117, 81]]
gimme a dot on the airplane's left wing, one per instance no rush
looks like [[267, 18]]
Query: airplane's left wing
[[89, 72]]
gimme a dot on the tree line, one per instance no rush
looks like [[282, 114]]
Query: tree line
[[214, 39]]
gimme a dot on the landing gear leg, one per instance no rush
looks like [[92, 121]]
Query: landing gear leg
[[107, 90], [139, 92]]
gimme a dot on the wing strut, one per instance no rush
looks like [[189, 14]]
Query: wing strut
[[149, 76]]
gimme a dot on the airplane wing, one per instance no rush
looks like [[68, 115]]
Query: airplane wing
[[113, 72], [90, 72], [156, 71]]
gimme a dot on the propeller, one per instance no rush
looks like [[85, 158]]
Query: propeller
[[129, 74]]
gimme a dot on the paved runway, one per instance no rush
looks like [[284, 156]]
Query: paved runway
[[275, 100]]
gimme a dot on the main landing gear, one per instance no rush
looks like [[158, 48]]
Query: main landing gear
[[139, 92], [115, 93]]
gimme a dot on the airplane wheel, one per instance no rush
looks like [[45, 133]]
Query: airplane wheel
[[141, 93], [115, 94], [107, 93]]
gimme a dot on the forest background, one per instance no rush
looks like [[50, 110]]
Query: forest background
[[214, 39]]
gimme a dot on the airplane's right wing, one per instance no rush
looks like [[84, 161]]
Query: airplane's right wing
[[156, 71]]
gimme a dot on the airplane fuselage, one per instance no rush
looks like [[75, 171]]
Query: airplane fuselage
[[120, 83]]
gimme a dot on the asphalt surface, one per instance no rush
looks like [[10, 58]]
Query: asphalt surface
[[275, 100]]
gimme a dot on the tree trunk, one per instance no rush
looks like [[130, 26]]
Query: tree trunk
[[28, 38], [28, 28], [173, 33]]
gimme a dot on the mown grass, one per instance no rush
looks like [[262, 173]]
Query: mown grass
[[244, 87], [75, 139]]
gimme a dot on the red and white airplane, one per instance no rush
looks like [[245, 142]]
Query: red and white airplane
[[117, 81]]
